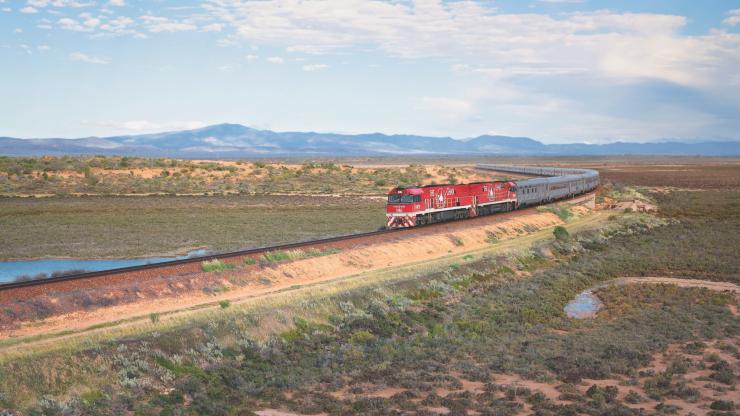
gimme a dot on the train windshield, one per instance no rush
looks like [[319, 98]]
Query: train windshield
[[403, 199]]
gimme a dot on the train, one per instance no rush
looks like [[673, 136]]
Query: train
[[414, 206]]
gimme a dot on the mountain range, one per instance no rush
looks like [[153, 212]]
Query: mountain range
[[235, 140]]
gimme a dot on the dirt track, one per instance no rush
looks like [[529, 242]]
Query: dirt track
[[707, 284]]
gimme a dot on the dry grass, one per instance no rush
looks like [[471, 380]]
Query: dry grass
[[113, 227]]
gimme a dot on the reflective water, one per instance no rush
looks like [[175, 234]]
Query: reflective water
[[9, 270], [585, 305]]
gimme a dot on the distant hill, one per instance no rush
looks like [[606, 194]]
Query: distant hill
[[235, 140]]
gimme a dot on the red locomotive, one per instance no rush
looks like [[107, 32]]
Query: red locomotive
[[419, 205]]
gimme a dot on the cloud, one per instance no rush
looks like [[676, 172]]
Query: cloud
[[601, 43], [59, 3], [733, 18], [117, 3], [81, 57], [315, 67], [28, 10], [214, 27], [139, 126], [67, 23], [156, 24], [445, 105], [508, 72], [118, 26], [90, 21], [227, 68]]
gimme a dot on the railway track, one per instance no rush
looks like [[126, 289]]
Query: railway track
[[261, 250], [198, 259]]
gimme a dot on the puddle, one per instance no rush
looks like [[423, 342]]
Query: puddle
[[10, 270], [585, 305]]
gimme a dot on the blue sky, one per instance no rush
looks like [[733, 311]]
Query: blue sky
[[555, 70]]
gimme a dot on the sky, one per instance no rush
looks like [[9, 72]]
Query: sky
[[555, 70]]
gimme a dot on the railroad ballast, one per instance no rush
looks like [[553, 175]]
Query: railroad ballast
[[420, 205]]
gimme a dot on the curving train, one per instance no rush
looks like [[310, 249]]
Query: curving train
[[419, 205]]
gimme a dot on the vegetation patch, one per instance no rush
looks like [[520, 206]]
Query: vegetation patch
[[562, 211], [100, 175], [278, 256], [215, 265]]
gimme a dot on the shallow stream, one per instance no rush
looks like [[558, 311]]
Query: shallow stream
[[10, 270]]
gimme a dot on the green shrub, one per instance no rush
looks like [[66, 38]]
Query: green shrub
[[361, 337], [694, 348], [215, 265], [249, 261], [224, 304], [666, 408], [722, 372], [633, 397], [154, 317], [320, 253], [491, 237], [91, 396], [723, 405], [563, 211], [276, 256], [561, 233]]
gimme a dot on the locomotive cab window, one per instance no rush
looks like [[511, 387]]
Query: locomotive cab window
[[403, 199]]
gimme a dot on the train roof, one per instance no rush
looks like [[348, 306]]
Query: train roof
[[447, 184]]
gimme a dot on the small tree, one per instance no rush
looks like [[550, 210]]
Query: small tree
[[561, 233]]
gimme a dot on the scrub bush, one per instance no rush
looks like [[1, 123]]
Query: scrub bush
[[216, 265]]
